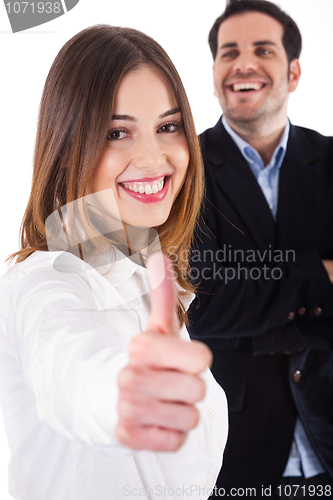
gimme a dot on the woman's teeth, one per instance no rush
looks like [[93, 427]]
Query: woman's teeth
[[141, 187]]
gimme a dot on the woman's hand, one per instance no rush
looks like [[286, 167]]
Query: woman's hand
[[161, 383]]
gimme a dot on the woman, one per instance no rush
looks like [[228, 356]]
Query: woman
[[117, 175]]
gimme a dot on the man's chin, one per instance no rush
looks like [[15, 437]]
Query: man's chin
[[243, 116]]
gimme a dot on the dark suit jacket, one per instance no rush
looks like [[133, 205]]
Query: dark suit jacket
[[263, 289]]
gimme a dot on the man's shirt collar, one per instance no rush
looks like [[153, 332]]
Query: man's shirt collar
[[252, 156]]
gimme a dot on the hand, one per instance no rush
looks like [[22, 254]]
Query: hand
[[160, 385], [328, 264]]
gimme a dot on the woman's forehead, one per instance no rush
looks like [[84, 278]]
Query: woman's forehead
[[146, 87]]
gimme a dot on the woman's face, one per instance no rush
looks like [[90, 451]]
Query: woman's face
[[146, 156]]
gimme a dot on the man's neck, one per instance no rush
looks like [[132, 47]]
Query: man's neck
[[262, 140]]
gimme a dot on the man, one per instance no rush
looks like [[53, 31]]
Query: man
[[263, 262]]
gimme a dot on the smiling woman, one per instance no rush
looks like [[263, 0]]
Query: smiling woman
[[75, 135], [146, 159], [95, 361]]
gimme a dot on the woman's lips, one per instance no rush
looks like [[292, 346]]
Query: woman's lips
[[150, 198]]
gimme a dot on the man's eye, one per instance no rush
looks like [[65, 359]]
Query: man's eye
[[230, 54], [169, 128], [117, 134], [264, 52]]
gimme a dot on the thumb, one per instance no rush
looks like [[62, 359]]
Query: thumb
[[163, 295]]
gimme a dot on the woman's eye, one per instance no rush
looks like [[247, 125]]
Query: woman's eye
[[115, 135], [169, 127]]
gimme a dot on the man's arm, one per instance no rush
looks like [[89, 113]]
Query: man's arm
[[232, 304]]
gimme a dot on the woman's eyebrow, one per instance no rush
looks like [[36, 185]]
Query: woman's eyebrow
[[124, 117], [130, 118], [172, 111]]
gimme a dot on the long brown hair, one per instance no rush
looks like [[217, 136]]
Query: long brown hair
[[75, 112]]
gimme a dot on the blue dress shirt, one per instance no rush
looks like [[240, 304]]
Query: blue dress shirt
[[267, 176], [302, 459]]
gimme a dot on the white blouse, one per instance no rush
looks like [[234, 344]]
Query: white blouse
[[64, 333]]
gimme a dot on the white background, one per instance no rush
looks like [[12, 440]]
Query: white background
[[181, 27]]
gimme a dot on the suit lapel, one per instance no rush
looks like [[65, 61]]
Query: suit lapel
[[298, 178], [236, 180]]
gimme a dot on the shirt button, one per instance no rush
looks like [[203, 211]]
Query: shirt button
[[317, 311], [211, 414], [301, 310], [290, 315], [296, 376]]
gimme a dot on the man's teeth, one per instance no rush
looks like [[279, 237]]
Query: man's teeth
[[246, 86], [140, 187]]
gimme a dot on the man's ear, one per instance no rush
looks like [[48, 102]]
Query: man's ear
[[294, 74]]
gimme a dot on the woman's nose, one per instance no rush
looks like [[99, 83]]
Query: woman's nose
[[148, 154]]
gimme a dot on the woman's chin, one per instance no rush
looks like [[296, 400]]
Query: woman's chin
[[146, 221], [147, 224]]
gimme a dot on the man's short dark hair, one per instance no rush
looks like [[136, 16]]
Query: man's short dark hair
[[292, 40]]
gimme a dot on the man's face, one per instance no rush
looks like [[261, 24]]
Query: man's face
[[252, 79]]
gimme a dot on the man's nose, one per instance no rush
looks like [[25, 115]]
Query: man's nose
[[246, 63], [148, 153]]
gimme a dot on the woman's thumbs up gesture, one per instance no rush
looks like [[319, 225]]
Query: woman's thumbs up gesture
[[161, 384]]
